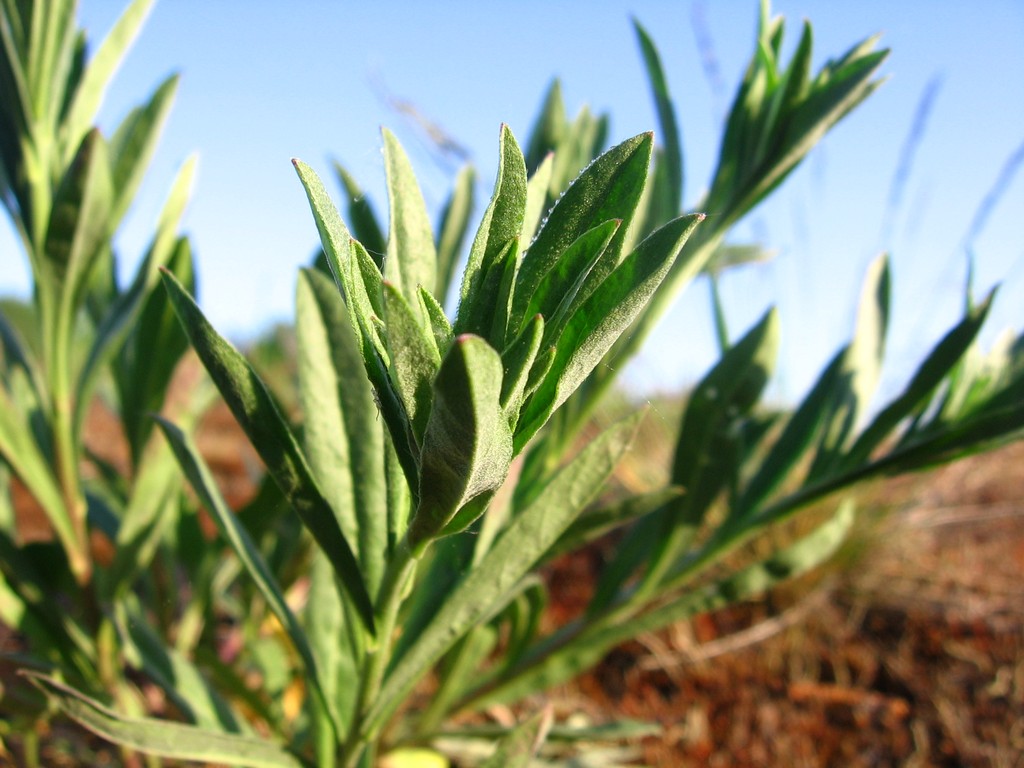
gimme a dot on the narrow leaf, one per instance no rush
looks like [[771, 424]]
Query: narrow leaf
[[862, 365], [439, 325], [100, 70], [452, 231], [79, 220], [669, 126], [536, 198], [517, 361], [132, 145], [163, 738], [362, 218], [253, 407], [597, 523], [501, 225], [343, 434], [562, 289], [414, 359], [411, 257]]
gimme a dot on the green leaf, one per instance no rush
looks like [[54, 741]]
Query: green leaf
[[414, 359], [707, 461], [99, 72], [536, 197], [548, 130], [411, 257], [597, 322], [122, 312], [151, 509], [501, 225], [50, 56], [669, 126], [925, 381], [598, 522], [565, 286], [199, 476], [861, 370], [163, 738], [729, 255], [343, 435], [338, 250], [180, 679], [530, 534], [15, 354], [152, 350], [362, 218], [325, 626], [361, 284], [439, 325], [517, 362], [608, 189], [253, 407], [702, 464], [467, 445], [454, 227], [132, 145], [791, 446], [23, 455], [79, 220], [460, 668]]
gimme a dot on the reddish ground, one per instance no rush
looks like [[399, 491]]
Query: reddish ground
[[912, 654]]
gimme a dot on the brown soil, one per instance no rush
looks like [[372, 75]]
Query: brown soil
[[912, 654]]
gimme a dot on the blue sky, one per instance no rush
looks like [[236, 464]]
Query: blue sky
[[265, 81]]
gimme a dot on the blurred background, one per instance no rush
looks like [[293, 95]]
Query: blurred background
[[926, 169]]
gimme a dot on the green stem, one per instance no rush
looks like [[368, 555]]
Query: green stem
[[389, 601], [66, 451], [718, 314]]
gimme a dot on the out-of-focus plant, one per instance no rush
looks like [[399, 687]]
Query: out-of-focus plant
[[435, 482], [82, 578]]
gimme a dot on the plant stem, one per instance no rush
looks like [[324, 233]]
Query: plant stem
[[389, 600], [64, 438]]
